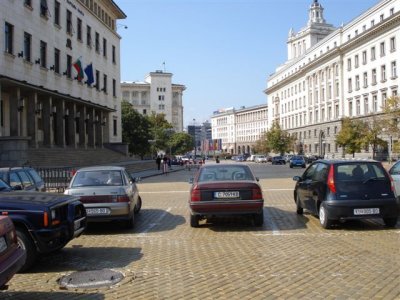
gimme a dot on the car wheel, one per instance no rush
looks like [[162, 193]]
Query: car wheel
[[390, 222], [291, 166], [26, 243], [131, 222], [303, 166], [194, 221], [138, 205], [323, 217], [299, 209], [259, 219]]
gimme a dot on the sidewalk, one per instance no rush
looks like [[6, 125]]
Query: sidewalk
[[154, 172]]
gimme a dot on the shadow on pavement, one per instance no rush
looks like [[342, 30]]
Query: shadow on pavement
[[50, 295]]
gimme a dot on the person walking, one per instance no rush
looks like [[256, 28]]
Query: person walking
[[165, 165], [158, 162]]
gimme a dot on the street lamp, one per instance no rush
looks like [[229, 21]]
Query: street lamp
[[194, 135]]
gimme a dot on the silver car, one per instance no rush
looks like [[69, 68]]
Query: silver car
[[107, 192]]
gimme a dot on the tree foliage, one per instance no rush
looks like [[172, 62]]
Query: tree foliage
[[371, 133], [352, 135], [261, 145], [392, 116], [135, 130], [279, 140], [180, 143], [161, 131]]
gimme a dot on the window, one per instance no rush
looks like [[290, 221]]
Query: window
[[28, 3], [373, 79], [104, 47], [365, 79], [393, 69], [384, 97], [373, 53], [357, 82], [350, 108], [366, 106], [69, 66], [43, 8], [356, 61], [69, 22], [79, 29], [56, 60], [349, 64], [9, 38], [97, 42], [375, 103], [392, 44], [114, 88], [372, 23], [43, 51], [89, 36], [392, 11], [27, 46], [381, 17], [161, 107], [383, 73], [113, 54], [97, 80], [336, 111], [358, 107], [115, 127], [349, 87], [160, 97], [364, 57], [104, 83], [57, 13], [382, 47]]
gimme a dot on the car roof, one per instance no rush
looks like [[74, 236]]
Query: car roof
[[344, 160], [102, 168], [5, 169]]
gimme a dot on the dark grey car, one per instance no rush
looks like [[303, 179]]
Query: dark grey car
[[338, 190]]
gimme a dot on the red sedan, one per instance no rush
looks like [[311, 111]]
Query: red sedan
[[225, 189]]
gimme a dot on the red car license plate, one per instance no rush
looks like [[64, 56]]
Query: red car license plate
[[223, 195]]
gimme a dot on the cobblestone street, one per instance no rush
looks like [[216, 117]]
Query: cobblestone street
[[290, 257]]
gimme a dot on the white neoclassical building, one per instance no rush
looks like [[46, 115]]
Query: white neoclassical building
[[334, 73], [239, 129], [59, 74], [156, 94]]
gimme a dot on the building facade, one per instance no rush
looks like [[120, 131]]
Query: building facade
[[239, 129], [157, 94], [335, 73], [59, 74]]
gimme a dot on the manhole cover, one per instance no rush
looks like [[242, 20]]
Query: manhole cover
[[91, 279]]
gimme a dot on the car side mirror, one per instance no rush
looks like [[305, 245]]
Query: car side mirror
[[191, 180], [296, 178], [135, 179], [257, 179]]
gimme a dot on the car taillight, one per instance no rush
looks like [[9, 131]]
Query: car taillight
[[195, 194], [256, 194], [391, 180], [122, 198], [45, 219], [331, 180]]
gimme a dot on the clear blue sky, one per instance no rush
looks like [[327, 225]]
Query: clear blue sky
[[221, 50]]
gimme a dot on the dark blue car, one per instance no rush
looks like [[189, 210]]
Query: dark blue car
[[297, 161]]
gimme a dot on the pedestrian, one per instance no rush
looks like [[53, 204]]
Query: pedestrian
[[165, 165], [158, 162], [217, 159]]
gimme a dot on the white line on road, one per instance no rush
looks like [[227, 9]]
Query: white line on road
[[270, 222], [157, 222]]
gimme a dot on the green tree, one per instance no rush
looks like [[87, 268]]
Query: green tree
[[392, 116], [352, 135], [135, 130], [279, 140], [161, 131], [180, 143], [261, 145], [371, 133]]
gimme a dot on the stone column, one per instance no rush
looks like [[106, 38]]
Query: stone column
[[32, 106], [82, 127], [90, 127], [60, 113], [99, 130], [70, 122], [47, 120]]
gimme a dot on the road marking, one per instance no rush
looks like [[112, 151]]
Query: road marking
[[156, 222], [270, 222]]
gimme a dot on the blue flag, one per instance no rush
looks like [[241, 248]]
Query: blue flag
[[89, 73]]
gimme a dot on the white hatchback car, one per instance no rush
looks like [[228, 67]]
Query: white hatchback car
[[107, 192], [260, 159]]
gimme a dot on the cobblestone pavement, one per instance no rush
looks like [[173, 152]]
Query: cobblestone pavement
[[290, 257]]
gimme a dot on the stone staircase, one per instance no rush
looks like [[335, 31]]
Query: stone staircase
[[67, 157]]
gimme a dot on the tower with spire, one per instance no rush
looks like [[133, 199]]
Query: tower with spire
[[316, 29]]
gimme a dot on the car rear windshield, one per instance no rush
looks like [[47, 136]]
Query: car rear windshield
[[98, 178], [224, 173], [362, 179]]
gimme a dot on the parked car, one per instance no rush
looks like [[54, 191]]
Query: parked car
[[23, 178], [394, 171], [108, 193], [339, 190], [44, 222], [288, 157], [297, 161], [260, 159], [225, 189], [278, 160], [12, 256]]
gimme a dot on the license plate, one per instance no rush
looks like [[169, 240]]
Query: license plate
[[97, 211], [366, 211], [226, 194]]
